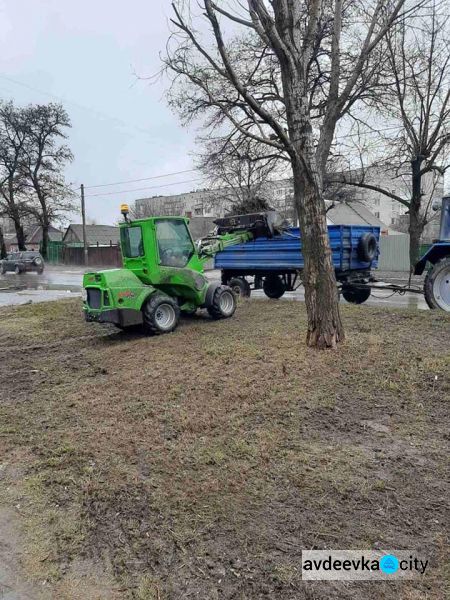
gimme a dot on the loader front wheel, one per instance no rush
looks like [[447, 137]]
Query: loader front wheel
[[160, 314], [223, 303]]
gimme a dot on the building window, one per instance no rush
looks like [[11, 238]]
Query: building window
[[377, 202], [377, 214]]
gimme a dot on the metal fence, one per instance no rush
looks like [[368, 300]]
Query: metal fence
[[394, 253]]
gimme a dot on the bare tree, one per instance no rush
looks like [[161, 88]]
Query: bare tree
[[44, 158], [12, 184], [241, 167], [415, 106], [2, 243], [287, 74]]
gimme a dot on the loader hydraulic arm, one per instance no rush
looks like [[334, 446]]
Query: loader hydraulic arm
[[211, 245]]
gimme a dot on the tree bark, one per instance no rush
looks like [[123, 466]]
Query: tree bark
[[416, 224], [325, 328], [2, 244], [19, 233]]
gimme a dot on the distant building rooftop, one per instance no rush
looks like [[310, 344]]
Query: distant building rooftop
[[103, 235]]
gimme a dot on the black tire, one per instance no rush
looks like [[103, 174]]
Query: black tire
[[223, 303], [160, 314], [436, 287], [240, 286], [356, 295], [273, 286], [367, 247]]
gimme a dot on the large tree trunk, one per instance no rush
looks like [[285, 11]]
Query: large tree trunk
[[44, 243], [415, 231], [416, 224], [19, 233], [2, 244], [325, 328]]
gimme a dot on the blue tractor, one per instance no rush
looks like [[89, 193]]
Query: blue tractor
[[437, 282]]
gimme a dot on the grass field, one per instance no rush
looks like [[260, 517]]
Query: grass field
[[199, 464]]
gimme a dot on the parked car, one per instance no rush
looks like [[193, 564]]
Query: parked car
[[20, 262]]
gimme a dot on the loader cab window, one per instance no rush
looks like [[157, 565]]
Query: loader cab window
[[174, 242], [131, 242]]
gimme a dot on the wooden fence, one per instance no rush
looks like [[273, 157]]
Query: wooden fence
[[102, 256]]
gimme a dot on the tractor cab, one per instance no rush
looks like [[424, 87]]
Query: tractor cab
[[437, 281]]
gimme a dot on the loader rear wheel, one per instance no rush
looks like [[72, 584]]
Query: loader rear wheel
[[437, 285], [223, 303], [273, 286], [160, 314], [240, 286]]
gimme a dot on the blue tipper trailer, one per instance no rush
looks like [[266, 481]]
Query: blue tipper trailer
[[275, 264]]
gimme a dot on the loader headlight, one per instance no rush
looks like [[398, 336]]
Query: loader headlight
[[84, 294]]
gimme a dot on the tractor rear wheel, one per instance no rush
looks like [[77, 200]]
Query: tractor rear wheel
[[223, 303], [160, 314], [240, 286], [273, 286], [437, 285]]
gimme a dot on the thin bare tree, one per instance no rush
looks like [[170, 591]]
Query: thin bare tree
[[12, 183], [415, 111], [45, 156], [284, 76], [241, 167]]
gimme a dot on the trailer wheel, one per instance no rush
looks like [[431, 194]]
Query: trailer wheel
[[367, 247], [223, 303], [160, 314], [437, 285], [273, 286], [356, 295], [240, 286]]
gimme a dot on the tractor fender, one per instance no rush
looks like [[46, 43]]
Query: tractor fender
[[433, 255]]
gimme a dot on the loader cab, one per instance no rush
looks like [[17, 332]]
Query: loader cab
[[152, 248]]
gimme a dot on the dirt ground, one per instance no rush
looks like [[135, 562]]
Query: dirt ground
[[199, 464]]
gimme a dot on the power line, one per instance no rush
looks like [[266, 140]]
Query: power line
[[94, 111], [144, 188], [88, 187]]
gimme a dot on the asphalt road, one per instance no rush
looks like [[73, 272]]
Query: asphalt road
[[65, 282]]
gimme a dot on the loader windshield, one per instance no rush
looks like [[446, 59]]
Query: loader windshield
[[174, 242]]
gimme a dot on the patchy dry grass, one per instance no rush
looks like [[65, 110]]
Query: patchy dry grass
[[199, 464]]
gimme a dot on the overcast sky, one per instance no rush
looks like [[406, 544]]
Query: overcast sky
[[86, 53]]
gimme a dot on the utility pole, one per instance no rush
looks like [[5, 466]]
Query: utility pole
[[83, 217]]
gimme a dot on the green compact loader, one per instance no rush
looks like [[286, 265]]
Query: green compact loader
[[162, 274]]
